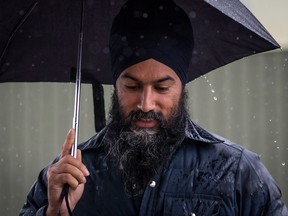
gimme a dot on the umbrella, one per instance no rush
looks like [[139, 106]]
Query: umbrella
[[39, 39]]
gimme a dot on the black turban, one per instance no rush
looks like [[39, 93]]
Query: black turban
[[157, 29]]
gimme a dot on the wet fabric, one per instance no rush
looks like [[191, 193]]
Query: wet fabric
[[206, 176], [157, 29]]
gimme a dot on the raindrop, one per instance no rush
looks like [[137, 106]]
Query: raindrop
[[278, 147], [7, 63], [106, 50], [207, 22], [283, 164], [192, 14], [112, 3], [2, 160], [211, 88], [21, 12], [17, 155], [33, 65], [141, 36], [145, 15], [161, 7], [237, 38], [98, 69], [275, 141]]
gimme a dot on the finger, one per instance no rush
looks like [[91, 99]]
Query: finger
[[59, 175], [67, 178], [66, 149], [82, 166], [69, 164]]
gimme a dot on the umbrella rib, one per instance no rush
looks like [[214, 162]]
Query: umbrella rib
[[31, 8]]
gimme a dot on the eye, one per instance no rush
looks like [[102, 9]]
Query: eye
[[132, 87], [161, 88]]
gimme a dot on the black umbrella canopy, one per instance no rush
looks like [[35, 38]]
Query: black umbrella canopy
[[38, 40]]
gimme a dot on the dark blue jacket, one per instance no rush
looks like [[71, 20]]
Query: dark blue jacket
[[206, 176]]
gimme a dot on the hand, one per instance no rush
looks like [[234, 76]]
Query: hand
[[68, 170]]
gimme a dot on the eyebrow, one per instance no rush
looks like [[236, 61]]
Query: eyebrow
[[166, 78]]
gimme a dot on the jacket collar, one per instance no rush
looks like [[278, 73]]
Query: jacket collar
[[197, 133], [192, 131]]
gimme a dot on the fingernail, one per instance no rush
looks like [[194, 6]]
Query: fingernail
[[87, 173], [84, 180], [69, 131]]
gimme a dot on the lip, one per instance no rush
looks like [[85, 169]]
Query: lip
[[146, 123]]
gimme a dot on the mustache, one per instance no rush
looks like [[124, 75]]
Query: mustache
[[138, 114]]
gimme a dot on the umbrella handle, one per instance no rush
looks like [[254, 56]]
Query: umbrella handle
[[78, 84]]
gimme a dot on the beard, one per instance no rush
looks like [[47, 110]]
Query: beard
[[138, 152]]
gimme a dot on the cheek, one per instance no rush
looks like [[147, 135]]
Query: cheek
[[169, 105], [126, 103]]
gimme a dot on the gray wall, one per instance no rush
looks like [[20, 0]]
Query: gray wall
[[245, 102]]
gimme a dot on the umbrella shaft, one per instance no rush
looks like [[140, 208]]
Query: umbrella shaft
[[78, 84]]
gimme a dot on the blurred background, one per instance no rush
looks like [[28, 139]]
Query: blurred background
[[246, 102]]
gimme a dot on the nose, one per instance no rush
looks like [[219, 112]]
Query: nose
[[147, 100]]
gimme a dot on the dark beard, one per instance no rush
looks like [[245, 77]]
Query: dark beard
[[139, 153]]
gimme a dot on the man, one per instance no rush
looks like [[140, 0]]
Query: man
[[151, 159]]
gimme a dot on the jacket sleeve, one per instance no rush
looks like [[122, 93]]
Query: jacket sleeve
[[256, 190], [37, 201]]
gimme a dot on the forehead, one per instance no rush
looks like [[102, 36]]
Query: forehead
[[150, 71]]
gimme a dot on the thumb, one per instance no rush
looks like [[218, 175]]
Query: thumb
[[66, 148]]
